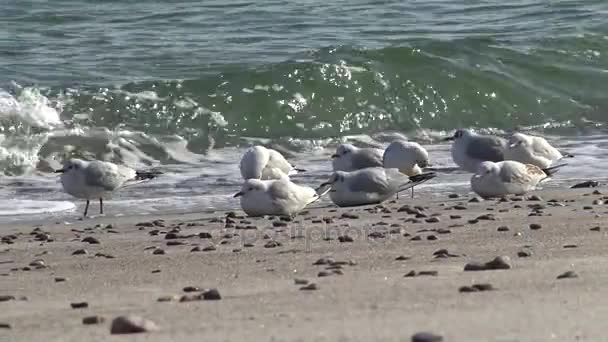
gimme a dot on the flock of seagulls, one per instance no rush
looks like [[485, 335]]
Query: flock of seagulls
[[361, 176]]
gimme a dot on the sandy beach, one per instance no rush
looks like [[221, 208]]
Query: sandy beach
[[357, 257]]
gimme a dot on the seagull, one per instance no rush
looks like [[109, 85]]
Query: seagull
[[275, 197], [508, 178], [351, 158], [260, 162], [471, 149], [408, 157], [370, 185], [533, 150], [98, 179]]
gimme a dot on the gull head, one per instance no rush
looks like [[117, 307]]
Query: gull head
[[251, 186], [343, 150], [460, 134], [519, 140], [487, 168], [335, 179], [72, 165]]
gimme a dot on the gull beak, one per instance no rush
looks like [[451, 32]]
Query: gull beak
[[334, 156], [60, 171], [448, 139], [324, 184], [238, 194]]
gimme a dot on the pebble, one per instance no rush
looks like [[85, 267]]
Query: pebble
[[524, 254], [42, 237], [279, 224], [272, 244], [80, 252], [324, 261], [350, 216], [416, 238], [433, 219], [426, 337], [570, 246], [93, 320], [402, 258], [80, 305], [475, 200], [455, 217], [5, 326], [345, 238], [159, 251], [421, 273], [301, 281], [567, 275], [38, 263], [91, 240], [60, 279], [310, 287], [196, 249], [432, 237], [587, 184], [209, 248], [595, 229], [6, 298], [324, 274], [248, 245], [191, 289], [535, 198], [211, 294], [477, 288], [535, 226], [486, 217], [205, 235], [503, 229], [132, 324], [499, 263], [453, 196]]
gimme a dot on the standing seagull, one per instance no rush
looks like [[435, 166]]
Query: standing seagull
[[470, 149], [260, 162], [275, 197], [369, 186], [508, 178], [351, 158], [98, 179], [533, 150], [409, 157]]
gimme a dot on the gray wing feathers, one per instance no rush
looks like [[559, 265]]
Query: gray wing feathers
[[487, 148], [370, 180], [367, 158], [104, 175]]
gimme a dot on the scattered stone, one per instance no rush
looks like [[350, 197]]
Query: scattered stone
[[248, 245], [503, 229], [534, 198], [60, 280], [499, 263], [587, 184], [42, 237], [191, 289], [301, 281], [80, 252], [524, 254], [205, 235], [272, 244], [196, 249], [349, 216], [324, 261], [453, 196], [535, 226], [432, 237], [567, 275], [433, 219], [324, 274], [595, 229], [345, 238], [279, 224], [80, 305], [426, 337], [310, 287], [413, 273], [475, 200], [164, 299], [570, 246], [6, 298], [377, 235], [38, 263], [455, 217], [416, 238], [159, 251], [477, 288], [211, 294], [89, 320], [91, 240], [486, 217], [5, 326], [402, 258], [209, 248], [132, 324]]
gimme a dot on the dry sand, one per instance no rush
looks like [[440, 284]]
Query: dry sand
[[370, 301]]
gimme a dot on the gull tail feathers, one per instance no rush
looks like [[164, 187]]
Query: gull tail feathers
[[416, 180], [550, 171], [144, 175]]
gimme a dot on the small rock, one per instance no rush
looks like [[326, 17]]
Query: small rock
[[345, 238], [455, 217], [426, 337], [503, 229], [534, 198], [324, 261], [132, 324], [211, 294], [5, 326], [191, 289], [272, 244], [402, 258], [159, 251], [38, 263], [93, 320], [80, 305], [443, 231], [570, 246], [500, 263], [475, 200], [433, 219], [6, 298], [416, 238], [595, 229], [301, 281], [209, 248], [428, 273], [279, 224], [196, 249], [432, 237], [566, 275], [80, 252], [60, 280], [309, 287], [535, 226], [524, 254], [205, 235], [91, 240], [587, 184], [248, 245], [466, 289], [453, 196]]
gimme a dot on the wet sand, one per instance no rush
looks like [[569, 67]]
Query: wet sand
[[361, 295]]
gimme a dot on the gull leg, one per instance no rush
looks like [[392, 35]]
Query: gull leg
[[86, 209], [412, 192], [101, 206]]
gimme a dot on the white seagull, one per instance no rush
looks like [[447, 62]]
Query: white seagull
[[98, 179], [260, 162], [533, 150], [350, 158], [470, 149], [409, 157]]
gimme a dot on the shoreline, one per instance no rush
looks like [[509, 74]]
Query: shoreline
[[362, 297]]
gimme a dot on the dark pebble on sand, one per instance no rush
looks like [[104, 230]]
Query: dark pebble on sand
[[534, 198], [209, 248], [426, 337], [309, 287], [80, 305], [211, 294], [377, 235], [587, 184], [345, 238], [349, 216], [595, 229], [172, 236], [567, 275], [416, 238], [486, 217], [535, 226], [475, 200], [80, 252], [248, 245], [42, 237], [324, 261], [205, 235], [272, 244], [159, 251], [191, 289], [300, 281], [132, 325], [175, 243], [499, 263], [432, 220], [524, 254], [60, 279], [467, 289], [6, 298], [455, 217], [570, 246], [443, 231], [402, 258], [196, 249], [145, 224], [91, 240], [89, 320], [503, 229], [453, 196], [5, 326], [428, 273], [279, 224], [324, 274], [38, 263], [432, 237]]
